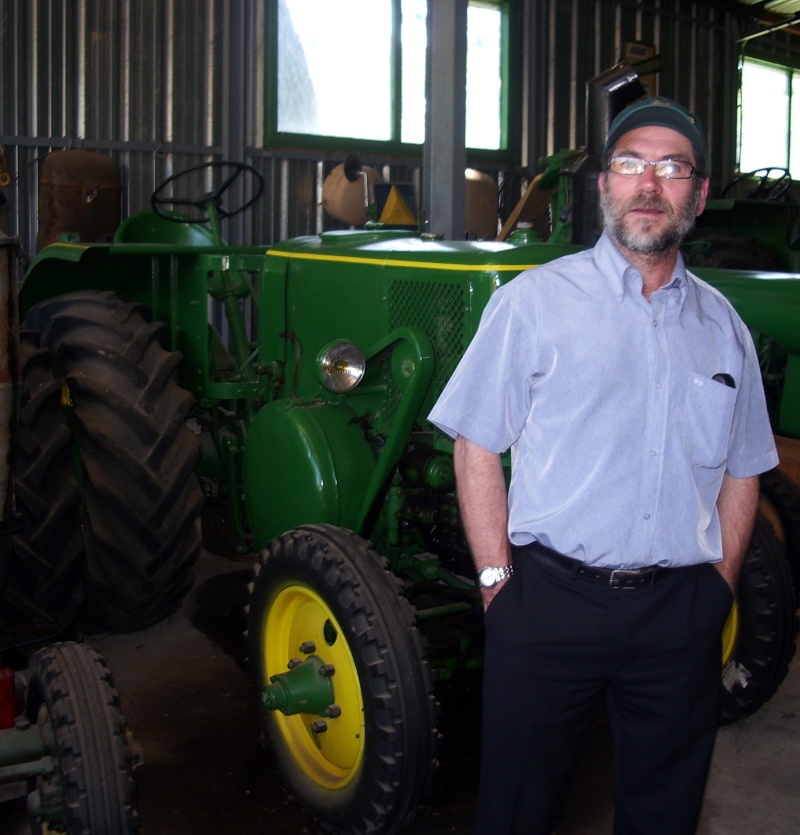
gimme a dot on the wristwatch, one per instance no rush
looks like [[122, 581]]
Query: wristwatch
[[493, 574]]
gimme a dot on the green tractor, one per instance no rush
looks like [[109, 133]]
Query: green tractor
[[285, 389]]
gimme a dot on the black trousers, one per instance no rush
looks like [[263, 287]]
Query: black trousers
[[555, 645]]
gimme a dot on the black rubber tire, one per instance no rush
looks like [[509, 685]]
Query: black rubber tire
[[398, 760], [765, 640], [45, 584], [781, 495], [141, 499], [71, 695]]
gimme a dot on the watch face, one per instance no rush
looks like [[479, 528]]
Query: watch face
[[488, 577], [493, 574]]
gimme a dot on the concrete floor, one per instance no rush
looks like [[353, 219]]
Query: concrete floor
[[187, 697]]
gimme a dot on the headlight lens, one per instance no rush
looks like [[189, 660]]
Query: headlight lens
[[342, 366]]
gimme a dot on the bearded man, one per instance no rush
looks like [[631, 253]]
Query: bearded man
[[629, 393]]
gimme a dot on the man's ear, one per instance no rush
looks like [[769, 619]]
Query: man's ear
[[701, 204]]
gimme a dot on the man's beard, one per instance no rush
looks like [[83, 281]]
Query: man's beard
[[641, 236]]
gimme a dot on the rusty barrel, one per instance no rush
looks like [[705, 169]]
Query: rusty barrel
[[79, 196]]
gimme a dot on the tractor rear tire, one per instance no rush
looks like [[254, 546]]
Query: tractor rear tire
[[324, 591], [780, 502], [71, 696], [45, 584], [134, 456], [759, 638]]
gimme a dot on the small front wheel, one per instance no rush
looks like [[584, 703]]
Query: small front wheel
[[72, 698], [337, 655]]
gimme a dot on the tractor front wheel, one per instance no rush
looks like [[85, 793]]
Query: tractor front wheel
[[337, 655], [71, 697]]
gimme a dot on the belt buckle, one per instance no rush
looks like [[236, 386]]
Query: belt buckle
[[619, 576]]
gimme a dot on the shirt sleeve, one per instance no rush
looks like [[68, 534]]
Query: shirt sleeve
[[488, 398]]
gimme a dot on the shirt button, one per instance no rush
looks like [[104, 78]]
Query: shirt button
[[653, 453], [647, 516], [655, 323], [659, 385]]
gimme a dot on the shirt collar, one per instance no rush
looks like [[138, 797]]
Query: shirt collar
[[624, 277]]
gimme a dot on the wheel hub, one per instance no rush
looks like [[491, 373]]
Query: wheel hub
[[305, 688]]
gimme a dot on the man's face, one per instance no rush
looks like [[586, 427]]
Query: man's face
[[644, 213]]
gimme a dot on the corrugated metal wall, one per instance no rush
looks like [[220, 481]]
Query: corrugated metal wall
[[143, 81], [698, 44], [164, 84], [574, 40]]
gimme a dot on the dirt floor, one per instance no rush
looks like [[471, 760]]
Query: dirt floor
[[188, 700]]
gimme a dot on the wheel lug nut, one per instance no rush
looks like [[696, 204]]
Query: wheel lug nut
[[295, 662], [307, 647], [327, 670], [319, 727], [332, 711]]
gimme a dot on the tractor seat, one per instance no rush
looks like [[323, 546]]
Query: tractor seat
[[149, 228]]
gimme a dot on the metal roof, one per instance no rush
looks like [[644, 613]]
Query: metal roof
[[765, 11], [778, 7], [765, 15]]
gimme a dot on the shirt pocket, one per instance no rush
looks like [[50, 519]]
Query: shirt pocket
[[707, 419]]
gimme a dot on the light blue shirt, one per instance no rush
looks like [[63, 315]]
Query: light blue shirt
[[619, 437]]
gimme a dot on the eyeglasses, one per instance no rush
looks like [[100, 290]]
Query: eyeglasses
[[665, 169]]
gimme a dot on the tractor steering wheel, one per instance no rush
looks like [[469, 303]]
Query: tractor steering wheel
[[769, 186], [210, 202]]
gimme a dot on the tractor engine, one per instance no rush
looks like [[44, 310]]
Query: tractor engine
[[428, 509]]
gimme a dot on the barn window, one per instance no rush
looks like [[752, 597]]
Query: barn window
[[355, 70], [769, 117]]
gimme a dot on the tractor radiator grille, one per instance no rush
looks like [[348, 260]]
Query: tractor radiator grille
[[437, 308]]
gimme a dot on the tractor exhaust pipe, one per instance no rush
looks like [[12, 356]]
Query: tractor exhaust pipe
[[606, 95]]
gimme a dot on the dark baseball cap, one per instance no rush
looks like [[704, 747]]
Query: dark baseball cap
[[658, 111]]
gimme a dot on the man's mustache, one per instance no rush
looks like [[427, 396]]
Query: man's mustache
[[648, 204]]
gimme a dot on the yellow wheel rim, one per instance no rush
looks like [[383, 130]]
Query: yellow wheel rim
[[730, 633], [296, 616]]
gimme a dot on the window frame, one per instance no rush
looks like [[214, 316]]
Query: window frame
[[791, 69], [509, 126]]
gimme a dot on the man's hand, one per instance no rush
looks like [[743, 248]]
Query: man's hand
[[489, 595]]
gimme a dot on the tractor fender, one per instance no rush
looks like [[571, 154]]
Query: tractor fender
[[304, 463]]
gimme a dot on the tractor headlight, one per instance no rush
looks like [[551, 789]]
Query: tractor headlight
[[341, 366]]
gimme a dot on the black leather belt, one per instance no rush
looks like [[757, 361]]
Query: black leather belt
[[618, 578]]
